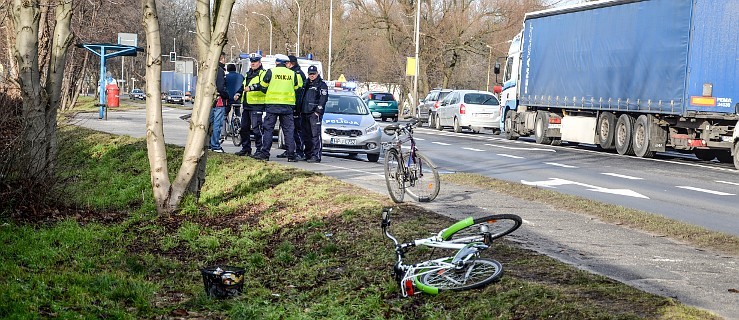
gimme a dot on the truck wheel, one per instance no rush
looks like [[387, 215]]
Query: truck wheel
[[606, 130], [704, 154], [510, 134], [624, 133], [438, 123], [457, 127], [641, 135], [540, 128], [724, 156]]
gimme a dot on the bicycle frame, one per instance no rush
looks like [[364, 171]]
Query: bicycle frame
[[397, 143], [410, 275]]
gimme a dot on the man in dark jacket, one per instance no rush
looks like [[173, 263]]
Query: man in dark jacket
[[280, 84], [218, 110], [253, 101], [299, 144], [234, 86], [314, 102]]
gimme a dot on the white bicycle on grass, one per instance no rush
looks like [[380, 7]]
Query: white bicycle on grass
[[466, 269]]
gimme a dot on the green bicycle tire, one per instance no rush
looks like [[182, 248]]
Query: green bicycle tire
[[485, 229]]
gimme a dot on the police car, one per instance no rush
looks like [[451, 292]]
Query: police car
[[348, 127]]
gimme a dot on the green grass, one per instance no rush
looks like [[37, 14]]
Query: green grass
[[311, 247]]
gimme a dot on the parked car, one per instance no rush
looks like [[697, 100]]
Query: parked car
[[349, 127], [426, 110], [381, 105], [175, 96], [137, 94], [469, 109]]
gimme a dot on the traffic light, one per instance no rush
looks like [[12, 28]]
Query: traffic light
[[173, 56]]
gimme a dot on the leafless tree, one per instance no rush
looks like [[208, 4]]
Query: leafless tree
[[211, 29]]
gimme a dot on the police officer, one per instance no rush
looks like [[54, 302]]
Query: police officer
[[314, 102], [299, 144], [280, 84], [253, 101]]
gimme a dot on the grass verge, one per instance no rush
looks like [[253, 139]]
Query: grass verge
[[311, 246], [673, 229]]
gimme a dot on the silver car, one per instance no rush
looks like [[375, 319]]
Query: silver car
[[469, 109], [348, 127]]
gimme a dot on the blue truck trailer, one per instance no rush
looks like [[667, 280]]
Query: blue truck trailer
[[637, 76]]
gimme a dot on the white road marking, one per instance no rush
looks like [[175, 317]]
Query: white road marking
[[418, 139], [515, 148], [560, 165], [350, 169], [706, 191], [727, 182], [510, 156], [554, 182], [473, 149], [621, 176], [441, 143]]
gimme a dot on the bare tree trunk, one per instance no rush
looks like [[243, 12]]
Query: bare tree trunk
[[210, 45], [59, 47], [191, 174], [154, 130], [26, 19]]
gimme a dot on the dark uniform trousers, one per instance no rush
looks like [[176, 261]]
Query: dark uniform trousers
[[287, 125], [251, 123], [299, 141], [311, 135]]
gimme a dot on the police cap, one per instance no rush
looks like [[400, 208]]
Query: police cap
[[312, 70]]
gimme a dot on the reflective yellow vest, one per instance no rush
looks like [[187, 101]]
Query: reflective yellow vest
[[281, 87], [255, 97]]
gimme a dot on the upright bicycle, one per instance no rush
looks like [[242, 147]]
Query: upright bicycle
[[463, 271], [408, 171], [232, 125]]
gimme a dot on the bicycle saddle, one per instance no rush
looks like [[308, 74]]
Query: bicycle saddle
[[391, 128]]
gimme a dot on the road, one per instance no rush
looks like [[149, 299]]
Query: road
[[674, 186]]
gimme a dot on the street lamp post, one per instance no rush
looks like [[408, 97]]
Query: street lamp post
[[270, 30], [417, 36], [490, 58], [297, 48], [133, 83]]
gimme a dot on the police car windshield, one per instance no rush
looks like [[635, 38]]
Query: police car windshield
[[345, 105]]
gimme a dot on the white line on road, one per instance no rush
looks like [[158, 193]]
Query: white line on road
[[515, 148], [706, 191], [441, 143], [727, 182], [473, 149], [621, 176], [510, 156], [350, 169], [560, 165]]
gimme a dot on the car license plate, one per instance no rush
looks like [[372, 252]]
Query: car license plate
[[383, 104], [343, 141], [483, 115]]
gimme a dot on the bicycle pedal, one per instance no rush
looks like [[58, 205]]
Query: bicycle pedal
[[424, 199]]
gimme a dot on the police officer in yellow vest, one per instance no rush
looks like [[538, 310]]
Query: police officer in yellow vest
[[280, 84], [253, 102]]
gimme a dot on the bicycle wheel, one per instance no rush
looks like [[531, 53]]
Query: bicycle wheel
[[485, 229], [423, 182], [394, 175], [475, 274], [236, 137]]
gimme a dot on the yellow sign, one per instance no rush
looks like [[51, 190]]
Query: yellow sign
[[410, 66], [342, 78]]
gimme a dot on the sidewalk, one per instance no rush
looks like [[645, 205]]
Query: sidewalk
[[648, 262]]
